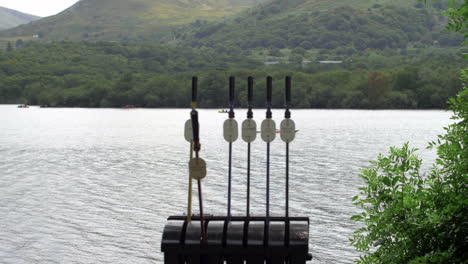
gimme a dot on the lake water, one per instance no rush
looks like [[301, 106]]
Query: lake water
[[96, 185]]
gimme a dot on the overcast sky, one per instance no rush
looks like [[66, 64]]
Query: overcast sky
[[38, 7]]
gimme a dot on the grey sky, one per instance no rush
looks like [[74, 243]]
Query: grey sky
[[38, 7]]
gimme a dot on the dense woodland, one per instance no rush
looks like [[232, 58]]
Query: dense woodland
[[344, 30], [394, 54], [114, 75]]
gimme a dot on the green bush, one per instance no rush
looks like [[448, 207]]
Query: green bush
[[409, 217], [413, 218]]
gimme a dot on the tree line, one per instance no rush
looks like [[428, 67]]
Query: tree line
[[150, 75]]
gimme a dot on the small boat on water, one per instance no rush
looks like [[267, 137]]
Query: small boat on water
[[23, 106], [223, 111], [129, 107]]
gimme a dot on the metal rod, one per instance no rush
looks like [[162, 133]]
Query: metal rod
[[269, 96], [196, 149], [250, 82], [248, 179], [287, 115], [190, 187], [202, 221], [232, 84], [268, 184], [229, 182], [268, 115], [287, 179], [200, 197]]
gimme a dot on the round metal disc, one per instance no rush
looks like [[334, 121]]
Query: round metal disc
[[231, 130], [288, 130], [188, 132], [249, 130], [197, 168], [268, 130]]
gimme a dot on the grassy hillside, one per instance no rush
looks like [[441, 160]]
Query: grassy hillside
[[125, 19], [11, 18], [342, 26]]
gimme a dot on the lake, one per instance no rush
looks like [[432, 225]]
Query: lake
[[96, 185]]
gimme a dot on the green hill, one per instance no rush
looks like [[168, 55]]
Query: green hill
[[10, 18], [125, 19], [342, 26]]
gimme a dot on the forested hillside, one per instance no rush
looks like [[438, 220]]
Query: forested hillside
[[341, 54], [114, 75], [125, 20], [344, 27]]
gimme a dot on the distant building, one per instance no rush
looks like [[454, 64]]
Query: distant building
[[271, 62], [305, 63], [330, 62], [36, 36]]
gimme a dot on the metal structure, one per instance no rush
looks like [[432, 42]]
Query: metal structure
[[238, 239]]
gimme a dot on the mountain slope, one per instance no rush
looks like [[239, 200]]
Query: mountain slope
[[126, 19], [10, 18], [351, 25]]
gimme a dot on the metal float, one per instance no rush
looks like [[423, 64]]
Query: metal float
[[238, 239]]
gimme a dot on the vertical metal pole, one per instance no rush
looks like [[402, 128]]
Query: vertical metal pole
[[202, 220], [229, 182], [190, 187], [248, 179], [231, 116], [287, 115], [287, 129], [268, 116], [268, 184], [287, 180], [200, 197], [249, 116], [196, 149]]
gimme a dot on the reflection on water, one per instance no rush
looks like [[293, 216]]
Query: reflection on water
[[96, 185]]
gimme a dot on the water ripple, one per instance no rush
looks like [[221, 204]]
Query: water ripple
[[97, 187]]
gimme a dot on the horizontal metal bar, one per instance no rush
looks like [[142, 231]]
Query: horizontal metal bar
[[241, 218]]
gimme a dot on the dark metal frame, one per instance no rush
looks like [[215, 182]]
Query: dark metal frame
[[252, 240]]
